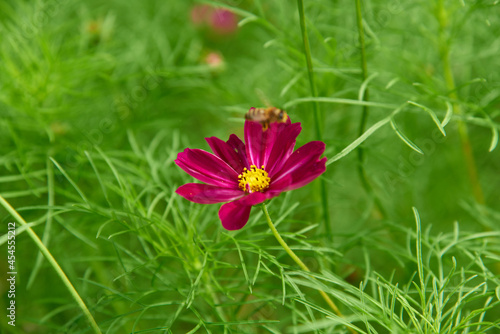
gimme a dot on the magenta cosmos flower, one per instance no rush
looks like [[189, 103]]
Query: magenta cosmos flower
[[246, 174]]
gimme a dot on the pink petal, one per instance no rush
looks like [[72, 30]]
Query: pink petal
[[305, 175], [239, 147], [280, 184], [234, 216], [302, 167], [272, 147], [207, 168], [208, 194], [254, 142], [228, 154], [253, 198], [277, 154], [269, 139]]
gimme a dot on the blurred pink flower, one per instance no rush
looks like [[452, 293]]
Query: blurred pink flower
[[223, 21], [247, 174], [214, 60], [219, 20]]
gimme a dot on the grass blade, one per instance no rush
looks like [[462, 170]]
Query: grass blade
[[448, 115], [48, 224], [405, 139], [432, 114], [351, 147], [82, 195], [52, 261], [337, 100]]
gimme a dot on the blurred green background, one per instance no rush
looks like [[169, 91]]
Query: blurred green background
[[97, 98]]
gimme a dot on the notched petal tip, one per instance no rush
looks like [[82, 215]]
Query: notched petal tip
[[181, 156]]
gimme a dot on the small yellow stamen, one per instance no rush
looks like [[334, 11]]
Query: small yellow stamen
[[253, 180]]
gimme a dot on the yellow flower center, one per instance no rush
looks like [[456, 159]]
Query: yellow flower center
[[253, 180]]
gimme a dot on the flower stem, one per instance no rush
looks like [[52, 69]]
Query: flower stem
[[317, 113], [310, 71], [364, 116], [53, 263], [442, 18], [299, 262], [364, 74]]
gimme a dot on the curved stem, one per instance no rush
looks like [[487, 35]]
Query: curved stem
[[299, 262], [54, 265], [317, 113]]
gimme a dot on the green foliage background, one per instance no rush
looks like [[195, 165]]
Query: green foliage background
[[97, 98]]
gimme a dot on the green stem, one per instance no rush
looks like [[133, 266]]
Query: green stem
[[310, 70], [364, 71], [470, 163], [317, 113], [53, 263], [299, 262], [364, 116]]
